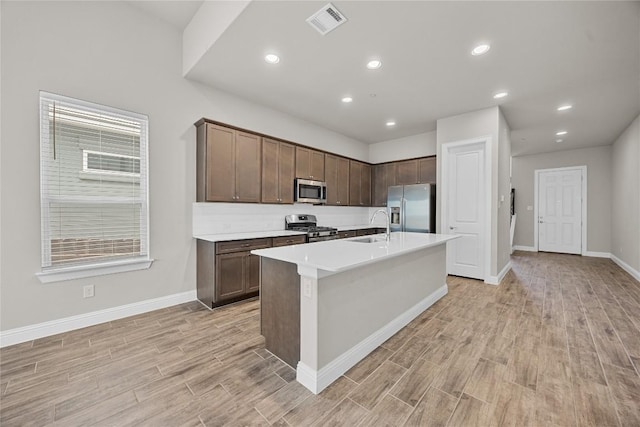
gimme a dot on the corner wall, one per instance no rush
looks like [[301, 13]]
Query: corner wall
[[114, 54], [488, 122], [625, 196]]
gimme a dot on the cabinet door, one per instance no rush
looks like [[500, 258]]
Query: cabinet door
[[365, 185], [407, 172], [309, 164], [270, 172], [384, 177], [220, 176], [286, 172], [252, 273], [355, 172], [230, 275], [427, 170], [247, 172], [337, 178], [303, 163], [343, 181], [331, 176], [316, 168]]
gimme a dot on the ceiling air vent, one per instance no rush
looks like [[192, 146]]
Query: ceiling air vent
[[326, 19]]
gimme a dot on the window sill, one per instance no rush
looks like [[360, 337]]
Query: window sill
[[92, 270]]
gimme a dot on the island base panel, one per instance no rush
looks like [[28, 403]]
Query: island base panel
[[280, 309]]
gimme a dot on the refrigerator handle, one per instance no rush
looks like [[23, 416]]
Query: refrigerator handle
[[403, 222]]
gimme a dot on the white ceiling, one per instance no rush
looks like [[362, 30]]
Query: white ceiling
[[543, 53]]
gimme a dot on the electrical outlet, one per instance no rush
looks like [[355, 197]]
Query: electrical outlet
[[306, 286], [88, 291]]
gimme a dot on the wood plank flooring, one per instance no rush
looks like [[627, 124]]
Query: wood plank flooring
[[557, 343]]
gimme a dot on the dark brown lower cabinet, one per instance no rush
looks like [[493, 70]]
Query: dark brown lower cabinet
[[346, 234], [228, 272], [369, 231], [237, 274]]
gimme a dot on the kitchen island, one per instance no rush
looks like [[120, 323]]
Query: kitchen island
[[325, 306]]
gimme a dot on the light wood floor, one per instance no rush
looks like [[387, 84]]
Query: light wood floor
[[557, 343]]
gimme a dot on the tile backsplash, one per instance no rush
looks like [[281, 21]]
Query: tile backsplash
[[220, 218]]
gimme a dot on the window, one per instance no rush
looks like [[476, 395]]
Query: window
[[93, 180], [106, 163]]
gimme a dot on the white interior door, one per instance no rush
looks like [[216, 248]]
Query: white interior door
[[466, 210], [560, 211]]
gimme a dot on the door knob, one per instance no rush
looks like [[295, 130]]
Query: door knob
[[452, 228]]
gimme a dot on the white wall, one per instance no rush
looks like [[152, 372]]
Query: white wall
[[421, 145], [598, 162], [625, 196], [483, 123], [113, 54], [504, 192]]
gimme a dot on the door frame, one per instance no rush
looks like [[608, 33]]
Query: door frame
[[485, 143], [583, 225]]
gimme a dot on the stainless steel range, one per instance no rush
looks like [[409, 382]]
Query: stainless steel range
[[308, 224]]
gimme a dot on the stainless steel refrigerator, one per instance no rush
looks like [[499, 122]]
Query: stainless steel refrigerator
[[412, 208]]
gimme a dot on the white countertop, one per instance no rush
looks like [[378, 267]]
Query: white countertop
[[248, 235], [345, 254], [223, 237]]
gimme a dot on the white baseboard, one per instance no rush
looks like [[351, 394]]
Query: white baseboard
[[525, 248], [495, 280], [32, 332], [626, 267], [316, 381], [597, 254]]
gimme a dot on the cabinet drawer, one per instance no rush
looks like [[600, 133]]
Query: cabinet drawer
[[289, 240], [346, 234], [242, 245]]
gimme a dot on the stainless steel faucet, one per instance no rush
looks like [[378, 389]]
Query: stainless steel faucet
[[384, 211]]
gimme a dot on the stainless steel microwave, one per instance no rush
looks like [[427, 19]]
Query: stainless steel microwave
[[308, 191]]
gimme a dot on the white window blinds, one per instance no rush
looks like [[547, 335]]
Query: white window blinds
[[93, 183]]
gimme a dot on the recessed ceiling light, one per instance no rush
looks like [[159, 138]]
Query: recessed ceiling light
[[272, 58], [500, 95], [562, 132], [347, 99], [391, 123], [374, 64], [480, 49], [559, 140], [565, 107]]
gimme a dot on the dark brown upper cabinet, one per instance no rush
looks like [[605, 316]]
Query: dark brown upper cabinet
[[384, 176], [359, 184], [337, 176], [278, 171], [309, 164], [417, 171], [228, 165], [427, 170]]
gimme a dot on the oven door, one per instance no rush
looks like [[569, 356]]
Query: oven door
[[322, 238], [307, 191]]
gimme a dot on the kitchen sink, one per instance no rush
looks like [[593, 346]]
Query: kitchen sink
[[369, 239]]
